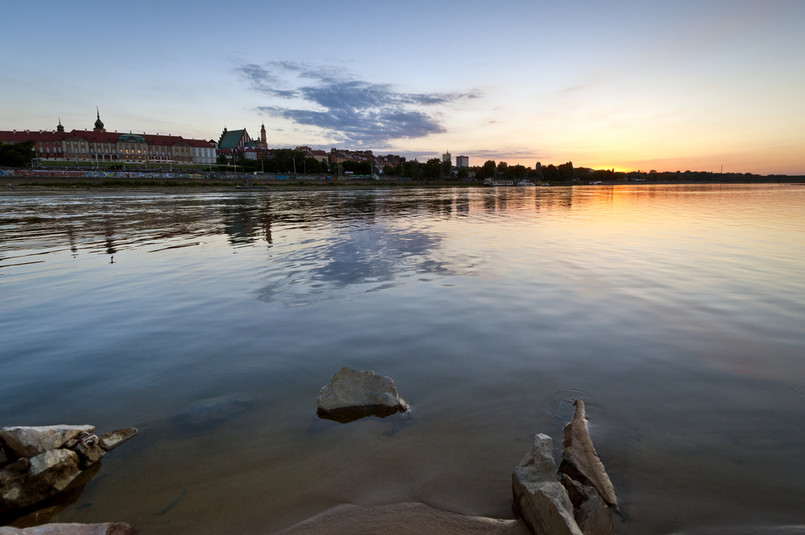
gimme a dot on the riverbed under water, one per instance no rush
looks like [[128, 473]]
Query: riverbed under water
[[211, 320]]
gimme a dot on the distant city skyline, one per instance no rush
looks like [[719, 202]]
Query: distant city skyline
[[688, 85]]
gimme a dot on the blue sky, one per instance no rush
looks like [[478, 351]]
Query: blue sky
[[631, 85]]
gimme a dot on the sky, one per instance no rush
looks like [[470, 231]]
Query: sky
[[632, 85]]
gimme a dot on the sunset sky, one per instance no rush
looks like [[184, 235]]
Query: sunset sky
[[627, 85]]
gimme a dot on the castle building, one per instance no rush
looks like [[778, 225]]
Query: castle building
[[98, 145]]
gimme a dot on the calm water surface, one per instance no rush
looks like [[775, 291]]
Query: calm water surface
[[211, 320]]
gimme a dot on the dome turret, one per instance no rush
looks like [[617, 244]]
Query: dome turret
[[98, 123]]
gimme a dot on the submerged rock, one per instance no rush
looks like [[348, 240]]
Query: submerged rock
[[45, 461], [352, 394], [215, 410]]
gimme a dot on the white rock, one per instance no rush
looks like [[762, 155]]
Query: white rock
[[54, 468], [541, 500], [31, 441], [351, 389], [114, 439], [109, 528]]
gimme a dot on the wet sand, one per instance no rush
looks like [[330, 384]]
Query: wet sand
[[405, 519]]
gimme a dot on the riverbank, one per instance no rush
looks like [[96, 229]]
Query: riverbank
[[227, 183], [55, 183]]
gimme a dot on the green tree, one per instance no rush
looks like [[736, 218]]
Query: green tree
[[313, 166], [358, 168], [433, 168], [515, 172], [550, 173], [462, 173], [18, 154], [566, 171], [447, 168], [489, 169], [412, 169]]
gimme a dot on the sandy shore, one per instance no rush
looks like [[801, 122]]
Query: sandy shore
[[406, 519]]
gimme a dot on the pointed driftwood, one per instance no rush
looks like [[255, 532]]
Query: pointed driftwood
[[580, 460]]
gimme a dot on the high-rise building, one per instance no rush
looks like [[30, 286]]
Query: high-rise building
[[446, 157], [462, 161]]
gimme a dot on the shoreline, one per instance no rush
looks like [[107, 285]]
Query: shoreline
[[27, 184]]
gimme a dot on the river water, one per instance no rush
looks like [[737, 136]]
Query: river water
[[211, 320]]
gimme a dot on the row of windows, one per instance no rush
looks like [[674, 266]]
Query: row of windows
[[75, 149], [107, 149]]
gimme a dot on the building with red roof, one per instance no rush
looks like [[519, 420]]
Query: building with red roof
[[98, 145]]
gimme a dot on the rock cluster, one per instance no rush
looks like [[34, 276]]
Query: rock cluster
[[107, 528], [352, 394], [578, 499], [39, 462]]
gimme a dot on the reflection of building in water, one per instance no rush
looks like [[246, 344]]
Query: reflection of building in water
[[244, 221], [266, 220], [100, 145]]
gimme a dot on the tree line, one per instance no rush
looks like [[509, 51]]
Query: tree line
[[17, 154], [287, 161]]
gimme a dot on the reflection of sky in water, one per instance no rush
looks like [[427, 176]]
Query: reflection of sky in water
[[373, 256], [675, 312]]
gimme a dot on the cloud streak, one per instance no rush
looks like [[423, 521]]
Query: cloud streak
[[353, 111]]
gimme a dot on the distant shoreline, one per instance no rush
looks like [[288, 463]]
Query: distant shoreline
[[51, 183]]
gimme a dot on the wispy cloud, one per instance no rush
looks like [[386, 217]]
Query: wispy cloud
[[352, 111], [512, 153]]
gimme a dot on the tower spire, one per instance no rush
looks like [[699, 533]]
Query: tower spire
[[98, 123]]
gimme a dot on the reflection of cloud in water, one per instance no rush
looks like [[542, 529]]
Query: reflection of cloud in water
[[376, 256]]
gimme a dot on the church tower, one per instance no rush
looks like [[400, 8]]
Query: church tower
[[60, 128], [263, 136], [98, 123]]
